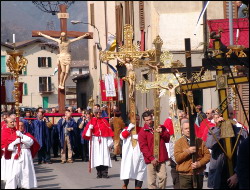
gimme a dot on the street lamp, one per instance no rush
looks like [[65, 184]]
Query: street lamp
[[99, 47]]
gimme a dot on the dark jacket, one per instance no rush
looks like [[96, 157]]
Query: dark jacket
[[70, 124], [146, 143], [42, 134], [218, 173], [242, 167]]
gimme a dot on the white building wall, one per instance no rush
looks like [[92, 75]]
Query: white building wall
[[173, 21], [101, 70], [31, 53]]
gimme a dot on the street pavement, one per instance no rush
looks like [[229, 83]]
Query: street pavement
[[76, 176]]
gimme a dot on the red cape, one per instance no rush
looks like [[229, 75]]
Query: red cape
[[204, 126], [8, 135], [125, 133], [101, 128], [35, 147], [169, 125]]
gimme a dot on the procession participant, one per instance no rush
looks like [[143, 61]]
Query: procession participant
[[8, 134], [200, 115], [21, 170], [54, 134], [117, 126], [4, 116], [155, 167], [185, 165], [100, 134], [231, 116], [132, 164], [81, 123], [206, 124], [42, 134], [28, 123], [66, 128], [218, 173], [13, 116], [173, 164], [242, 166]]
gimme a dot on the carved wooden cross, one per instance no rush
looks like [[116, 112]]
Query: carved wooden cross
[[63, 15], [128, 50]]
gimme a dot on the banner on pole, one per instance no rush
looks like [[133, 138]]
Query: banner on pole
[[103, 90]]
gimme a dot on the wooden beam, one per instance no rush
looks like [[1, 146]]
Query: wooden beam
[[212, 83], [71, 34]]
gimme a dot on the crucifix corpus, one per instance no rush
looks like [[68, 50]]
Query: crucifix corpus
[[64, 56], [129, 56]]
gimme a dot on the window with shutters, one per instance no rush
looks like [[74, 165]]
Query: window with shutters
[[129, 12], [44, 62], [25, 89], [244, 94], [3, 64], [141, 16], [45, 84], [226, 9], [92, 14], [94, 56], [119, 23], [25, 70]]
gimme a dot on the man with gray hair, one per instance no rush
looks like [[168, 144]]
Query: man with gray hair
[[100, 136], [183, 156], [242, 9]]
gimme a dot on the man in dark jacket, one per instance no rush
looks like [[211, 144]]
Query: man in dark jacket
[[42, 133], [218, 175], [155, 167], [66, 127], [242, 167], [200, 115]]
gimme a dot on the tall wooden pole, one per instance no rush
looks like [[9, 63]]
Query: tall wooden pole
[[61, 92]]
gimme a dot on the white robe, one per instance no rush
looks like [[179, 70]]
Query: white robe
[[99, 153], [132, 165], [21, 172], [4, 165]]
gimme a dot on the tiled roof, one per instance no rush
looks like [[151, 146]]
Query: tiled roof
[[79, 64], [26, 43]]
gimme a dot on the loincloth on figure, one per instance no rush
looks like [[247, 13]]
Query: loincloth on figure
[[64, 59], [172, 100]]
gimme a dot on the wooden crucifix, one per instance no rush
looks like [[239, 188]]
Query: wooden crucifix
[[64, 57], [129, 56], [189, 70]]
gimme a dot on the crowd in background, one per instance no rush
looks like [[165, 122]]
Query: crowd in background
[[67, 137]]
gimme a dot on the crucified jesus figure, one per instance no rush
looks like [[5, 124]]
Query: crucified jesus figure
[[131, 77], [172, 97], [64, 57]]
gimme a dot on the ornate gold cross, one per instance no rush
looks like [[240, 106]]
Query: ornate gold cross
[[161, 59], [128, 55]]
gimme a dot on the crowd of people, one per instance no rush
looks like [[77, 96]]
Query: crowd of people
[[98, 137]]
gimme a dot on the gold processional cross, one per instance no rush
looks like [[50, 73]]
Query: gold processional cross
[[129, 56]]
